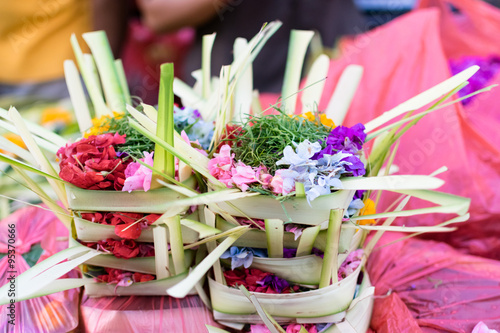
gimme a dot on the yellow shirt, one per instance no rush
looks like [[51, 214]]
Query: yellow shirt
[[34, 37]]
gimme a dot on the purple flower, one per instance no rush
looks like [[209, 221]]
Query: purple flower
[[275, 283], [359, 194], [489, 67], [345, 139], [289, 253], [355, 166], [318, 252]]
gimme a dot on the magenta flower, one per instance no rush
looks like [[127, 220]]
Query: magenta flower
[[138, 176], [350, 264], [220, 165]]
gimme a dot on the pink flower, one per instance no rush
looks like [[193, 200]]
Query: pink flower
[[295, 228], [264, 177], [220, 165], [283, 181], [138, 176], [295, 328], [185, 137], [350, 264], [243, 175], [259, 329]]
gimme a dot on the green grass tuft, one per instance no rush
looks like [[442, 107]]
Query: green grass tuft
[[264, 138]]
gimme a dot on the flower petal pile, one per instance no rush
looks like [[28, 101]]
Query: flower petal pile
[[93, 163]]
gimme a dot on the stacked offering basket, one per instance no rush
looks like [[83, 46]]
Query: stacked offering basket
[[280, 239]]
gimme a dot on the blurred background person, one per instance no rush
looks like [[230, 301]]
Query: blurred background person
[[239, 18]]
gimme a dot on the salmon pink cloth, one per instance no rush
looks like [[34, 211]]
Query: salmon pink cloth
[[140, 314]]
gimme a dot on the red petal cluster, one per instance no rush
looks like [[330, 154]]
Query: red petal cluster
[[126, 225], [92, 163], [230, 136], [116, 275], [124, 248]]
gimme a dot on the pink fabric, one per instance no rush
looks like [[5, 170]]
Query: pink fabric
[[400, 60], [139, 314], [475, 31], [426, 286], [54, 313]]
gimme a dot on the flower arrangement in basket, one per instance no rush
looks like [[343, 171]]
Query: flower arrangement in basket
[[278, 200], [133, 235]]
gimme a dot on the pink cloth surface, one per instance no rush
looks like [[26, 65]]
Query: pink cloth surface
[[53, 313], [475, 31], [427, 286], [143, 314], [402, 59]]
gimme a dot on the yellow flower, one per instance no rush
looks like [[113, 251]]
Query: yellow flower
[[325, 121], [309, 116], [58, 115], [101, 124], [368, 210]]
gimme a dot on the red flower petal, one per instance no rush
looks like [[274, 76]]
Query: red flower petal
[[128, 231]]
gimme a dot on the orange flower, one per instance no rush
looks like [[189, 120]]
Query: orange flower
[[14, 138], [56, 115], [325, 121], [368, 210]]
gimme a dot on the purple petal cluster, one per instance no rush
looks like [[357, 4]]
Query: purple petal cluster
[[489, 67], [346, 139], [275, 283]]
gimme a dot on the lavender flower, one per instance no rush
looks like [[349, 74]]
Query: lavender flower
[[186, 115], [354, 207], [189, 120], [242, 256], [302, 154]]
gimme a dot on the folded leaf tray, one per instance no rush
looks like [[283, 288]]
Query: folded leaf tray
[[297, 210], [257, 238], [320, 305], [156, 201], [140, 265], [305, 270], [90, 232], [150, 288]]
